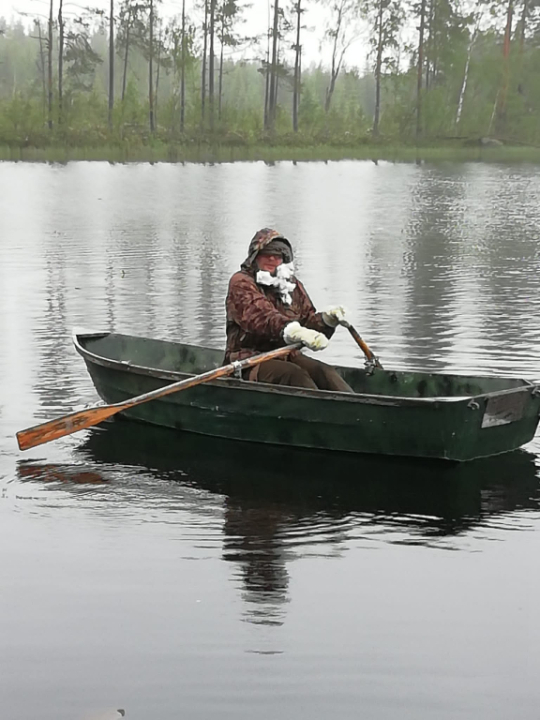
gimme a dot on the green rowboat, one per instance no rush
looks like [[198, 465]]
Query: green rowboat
[[424, 415]]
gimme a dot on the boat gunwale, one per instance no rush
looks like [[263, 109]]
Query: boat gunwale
[[231, 382]]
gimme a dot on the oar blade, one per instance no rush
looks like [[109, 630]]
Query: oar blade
[[54, 429], [68, 424]]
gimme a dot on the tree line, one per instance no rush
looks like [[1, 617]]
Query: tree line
[[436, 69]]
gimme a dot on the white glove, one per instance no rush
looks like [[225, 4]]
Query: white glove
[[334, 316], [294, 332]]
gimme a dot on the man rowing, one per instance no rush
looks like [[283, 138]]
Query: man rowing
[[268, 307]]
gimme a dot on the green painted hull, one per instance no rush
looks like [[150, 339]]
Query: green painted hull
[[450, 417]]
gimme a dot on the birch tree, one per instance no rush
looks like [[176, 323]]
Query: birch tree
[[203, 63], [211, 61], [61, 35], [272, 91], [420, 65], [229, 15], [50, 65], [151, 19], [111, 64], [297, 47], [340, 31], [386, 19]]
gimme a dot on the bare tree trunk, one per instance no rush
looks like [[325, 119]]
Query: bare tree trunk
[[220, 85], [430, 64], [211, 93], [378, 71], [42, 68], [111, 64], [329, 92], [420, 70], [204, 61], [336, 63], [176, 86], [267, 85], [183, 78], [494, 112], [508, 28], [124, 78], [524, 13], [501, 105], [300, 76], [49, 68], [151, 68], [298, 51], [60, 63], [272, 100], [465, 80], [156, 94]]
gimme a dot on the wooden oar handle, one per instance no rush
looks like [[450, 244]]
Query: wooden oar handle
[[365, 349], [82, 419]]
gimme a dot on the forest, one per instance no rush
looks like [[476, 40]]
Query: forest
[[132, 77]]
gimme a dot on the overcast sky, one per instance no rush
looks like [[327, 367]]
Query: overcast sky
[[256, 23]]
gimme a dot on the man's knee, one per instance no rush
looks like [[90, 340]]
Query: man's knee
[[298, 377], [281, 372], [325, 376]]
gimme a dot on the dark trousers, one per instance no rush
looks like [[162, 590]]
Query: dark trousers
[[300, 371]]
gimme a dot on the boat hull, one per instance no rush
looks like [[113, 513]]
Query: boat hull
[[457, 427]]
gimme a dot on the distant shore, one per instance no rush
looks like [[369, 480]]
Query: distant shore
[[203, 153]]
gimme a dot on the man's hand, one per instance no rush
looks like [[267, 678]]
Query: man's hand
[[334, 316], [294, 332]]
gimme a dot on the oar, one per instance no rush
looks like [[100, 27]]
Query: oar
[[372, 358], [54, 429]]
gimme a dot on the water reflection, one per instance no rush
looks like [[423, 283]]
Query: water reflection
[[469, 243], [433, 281], [281, 503], [31, 471], [439, 268], [54, 385], [254, 539]]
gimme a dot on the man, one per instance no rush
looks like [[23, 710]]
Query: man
[[268, 307]]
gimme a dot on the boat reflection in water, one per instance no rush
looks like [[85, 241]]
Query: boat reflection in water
[[282, 503], [58, 473]]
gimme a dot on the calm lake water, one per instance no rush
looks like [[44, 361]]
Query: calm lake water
[[175, 576]]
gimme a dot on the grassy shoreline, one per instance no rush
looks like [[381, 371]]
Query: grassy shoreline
[[268, 153]]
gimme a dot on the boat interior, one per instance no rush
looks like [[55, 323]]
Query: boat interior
[[182, 358]]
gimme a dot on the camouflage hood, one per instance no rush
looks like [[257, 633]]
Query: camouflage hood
[[260, 240]]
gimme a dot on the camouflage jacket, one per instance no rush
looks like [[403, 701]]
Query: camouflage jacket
[[256, 316]]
